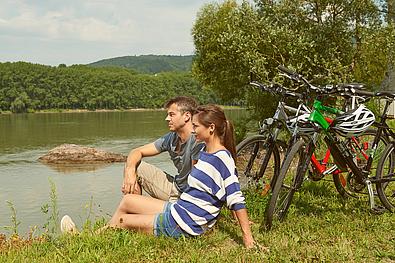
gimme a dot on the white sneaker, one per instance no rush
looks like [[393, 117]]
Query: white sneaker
[[67, 225]]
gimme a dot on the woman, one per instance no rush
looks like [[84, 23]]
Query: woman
[[211, 184]]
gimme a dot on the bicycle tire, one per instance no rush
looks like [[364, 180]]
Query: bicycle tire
[[257, 163], [287, 183], [344, 182], [386, 166]]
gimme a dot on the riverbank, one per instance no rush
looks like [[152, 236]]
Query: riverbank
[[84, 110], [108, 110], [320, 227]]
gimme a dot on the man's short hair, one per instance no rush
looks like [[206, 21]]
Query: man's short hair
[[183, 103]]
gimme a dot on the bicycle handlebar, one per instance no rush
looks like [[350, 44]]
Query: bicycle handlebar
[[343, 89], [299, 78], [276, 89], [364, 93]]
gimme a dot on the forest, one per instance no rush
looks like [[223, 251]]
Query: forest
[[27, 87]]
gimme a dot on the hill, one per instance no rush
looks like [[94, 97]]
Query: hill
[[148, 63]]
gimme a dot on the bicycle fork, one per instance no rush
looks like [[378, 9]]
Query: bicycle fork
[[307, 154], [371, 194]]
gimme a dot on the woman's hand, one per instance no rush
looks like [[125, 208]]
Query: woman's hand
[[245, 223], [249, 242]]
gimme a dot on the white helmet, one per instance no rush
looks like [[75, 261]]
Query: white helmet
[[354, 122], [305, 126]]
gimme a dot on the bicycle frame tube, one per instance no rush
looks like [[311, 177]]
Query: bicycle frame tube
[[317, 117], [301, 170], [280, 113], [321, 166], [281, 116]]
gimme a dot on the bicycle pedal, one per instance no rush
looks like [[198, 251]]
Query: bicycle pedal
[[265, 190], [378, 210], [365, 173]]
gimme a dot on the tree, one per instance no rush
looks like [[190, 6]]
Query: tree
[[389, 80], [226, 48], [20, 104], [330, 41], [17, 106]]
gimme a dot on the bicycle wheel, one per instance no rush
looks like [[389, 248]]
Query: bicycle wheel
[[361, 146], [257, 162], [385, 170], [289, 180]]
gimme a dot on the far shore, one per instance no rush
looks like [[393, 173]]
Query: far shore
[[107, 110]]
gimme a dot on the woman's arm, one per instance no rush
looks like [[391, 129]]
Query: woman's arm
[[242, 217]]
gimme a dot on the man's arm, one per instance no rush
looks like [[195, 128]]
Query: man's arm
[[134, 158]]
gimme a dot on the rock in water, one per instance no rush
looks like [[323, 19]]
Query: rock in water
[[72, 153]]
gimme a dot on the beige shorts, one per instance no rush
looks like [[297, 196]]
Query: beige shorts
[[156, 183]]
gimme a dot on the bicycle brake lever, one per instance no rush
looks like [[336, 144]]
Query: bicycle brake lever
[[291, 77]]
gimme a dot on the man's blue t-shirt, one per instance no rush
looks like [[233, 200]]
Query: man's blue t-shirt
[[182, 158]]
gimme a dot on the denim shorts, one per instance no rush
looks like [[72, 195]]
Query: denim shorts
[[164, 224]]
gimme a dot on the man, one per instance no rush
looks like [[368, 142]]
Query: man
[[182, 147]]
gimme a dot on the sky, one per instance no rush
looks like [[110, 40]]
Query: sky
[[52, 32]]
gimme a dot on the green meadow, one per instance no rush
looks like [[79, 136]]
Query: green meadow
[[320, 227]]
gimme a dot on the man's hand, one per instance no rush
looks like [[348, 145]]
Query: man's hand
[[129, 180], [132, 162]]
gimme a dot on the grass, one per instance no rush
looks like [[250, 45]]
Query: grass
[[13, 228], [320, 227]]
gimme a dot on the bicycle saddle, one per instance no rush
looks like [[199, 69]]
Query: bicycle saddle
[[389, 94], [352, 85]]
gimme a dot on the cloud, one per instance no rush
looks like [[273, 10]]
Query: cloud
[[94, 29], [62, 24]]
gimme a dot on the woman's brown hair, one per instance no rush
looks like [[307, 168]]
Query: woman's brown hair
[[213, 114]]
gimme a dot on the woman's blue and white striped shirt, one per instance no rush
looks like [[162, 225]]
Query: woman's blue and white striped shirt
[[211, 183]]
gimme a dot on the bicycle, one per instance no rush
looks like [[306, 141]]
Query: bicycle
[[301, 150], [259, 156]]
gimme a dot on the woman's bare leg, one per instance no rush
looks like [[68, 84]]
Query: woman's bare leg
[[134, 208], [139, 204], [140, 223]]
